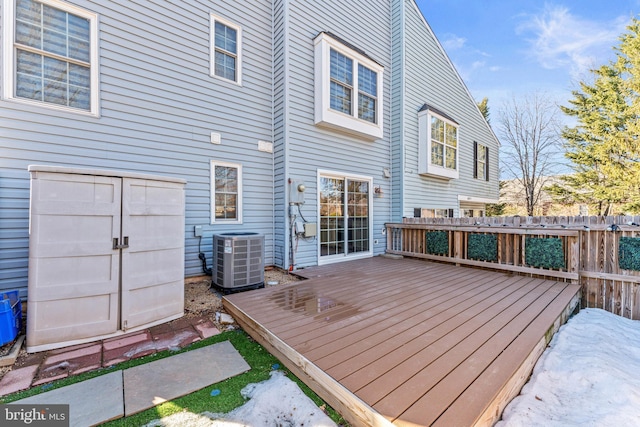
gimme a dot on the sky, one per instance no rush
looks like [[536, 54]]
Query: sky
[[506, 48]]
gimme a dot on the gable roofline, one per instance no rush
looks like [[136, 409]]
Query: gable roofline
[[349, 45], [464, 85]]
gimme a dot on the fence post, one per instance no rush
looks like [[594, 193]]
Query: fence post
[[457, 245]]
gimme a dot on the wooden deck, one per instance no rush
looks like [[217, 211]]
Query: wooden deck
[[408, 342]]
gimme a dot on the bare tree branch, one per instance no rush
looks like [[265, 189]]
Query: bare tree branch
[[530, 135]]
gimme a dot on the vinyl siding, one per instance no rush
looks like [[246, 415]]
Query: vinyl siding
[[158, 106], [397, 107], [365, 25], [430, 78], [280, 126]]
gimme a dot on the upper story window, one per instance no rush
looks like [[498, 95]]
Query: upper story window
[[51, 54], [226, 50], [226, 197], [348, 89], [438, 144], [367, 94], [481, 161]]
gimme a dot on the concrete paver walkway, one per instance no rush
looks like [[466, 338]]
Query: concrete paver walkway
[[153, 383], [32, 370], [90, 402], [135, 389]]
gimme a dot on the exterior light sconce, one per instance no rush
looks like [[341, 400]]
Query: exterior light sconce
[[378, 191]]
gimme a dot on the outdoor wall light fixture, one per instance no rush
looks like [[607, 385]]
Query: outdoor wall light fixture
[[378, 191]]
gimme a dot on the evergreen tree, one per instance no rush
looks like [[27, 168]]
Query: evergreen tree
[[484, 108], [602, 147]]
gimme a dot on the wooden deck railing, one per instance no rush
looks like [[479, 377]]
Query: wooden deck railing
[[589, 251]]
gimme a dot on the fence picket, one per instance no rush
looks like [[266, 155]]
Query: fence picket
[[591, 251]]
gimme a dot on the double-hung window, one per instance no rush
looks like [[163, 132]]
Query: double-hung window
[[226, 197], [226, 50], [438, 144], [348, 88], [50, 54], [341, 82], [481, 161], [367, 93]]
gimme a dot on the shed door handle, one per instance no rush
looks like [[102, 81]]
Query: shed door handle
[[124, 245]]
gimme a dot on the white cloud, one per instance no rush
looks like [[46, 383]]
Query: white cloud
[[453, 42], [564, 40]]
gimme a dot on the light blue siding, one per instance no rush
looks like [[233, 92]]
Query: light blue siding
[[427, 76], [158, 106], [365, 25]]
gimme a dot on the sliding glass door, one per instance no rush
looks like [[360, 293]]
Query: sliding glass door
[[345, 220]]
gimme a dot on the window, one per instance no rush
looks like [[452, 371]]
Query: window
[[348, 88], [438, 144], [226, 49], [226, 197], [51, 54], [432, 213], [472, 213], [481, 161]]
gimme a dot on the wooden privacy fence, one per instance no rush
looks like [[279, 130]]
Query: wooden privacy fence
[[600, 253]]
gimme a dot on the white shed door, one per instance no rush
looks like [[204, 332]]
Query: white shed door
[[153, 262], [73, 268]]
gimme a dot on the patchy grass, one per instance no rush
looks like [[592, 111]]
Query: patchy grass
[[260, 361]]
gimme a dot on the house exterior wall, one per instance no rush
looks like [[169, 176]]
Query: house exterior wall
[[158, 107], [397, 107], [428, 77], [309, 147]]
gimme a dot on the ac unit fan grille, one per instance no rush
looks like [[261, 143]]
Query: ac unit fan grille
[[238, 260]]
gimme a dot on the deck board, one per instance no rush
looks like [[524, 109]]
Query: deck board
[[407, 341], [423, 330]]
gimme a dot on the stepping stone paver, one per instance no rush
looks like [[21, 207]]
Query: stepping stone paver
[[206, 328], [17, 379], [153, 383], [90, 402]]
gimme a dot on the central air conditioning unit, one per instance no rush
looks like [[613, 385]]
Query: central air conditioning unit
[[238, 261]]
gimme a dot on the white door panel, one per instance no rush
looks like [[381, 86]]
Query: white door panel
[[73, 269], [153, 264]]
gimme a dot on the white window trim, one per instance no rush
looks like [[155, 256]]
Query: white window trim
[[215, 220], [324, 115], [425, 167], [212, 47], [331, 259], [9, 57], [472, 199], [484, 176]]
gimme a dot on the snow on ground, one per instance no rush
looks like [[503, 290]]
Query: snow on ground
[[275, 402], [589, 376]]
